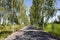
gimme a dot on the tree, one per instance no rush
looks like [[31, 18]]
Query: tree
[[2, 10], [41, 9], [56, 22], [17, 9], [34, 12], [59, 17]]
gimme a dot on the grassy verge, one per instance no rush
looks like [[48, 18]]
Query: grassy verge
[[6, 30], [56, 30], [4, 34]]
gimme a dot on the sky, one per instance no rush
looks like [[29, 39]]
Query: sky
[[58, 6], [28, 4]]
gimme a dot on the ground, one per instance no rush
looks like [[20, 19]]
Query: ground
[[32, 33]]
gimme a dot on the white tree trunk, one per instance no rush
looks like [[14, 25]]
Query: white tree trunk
[[1, 20]]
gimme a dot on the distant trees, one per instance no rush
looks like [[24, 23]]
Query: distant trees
[[57, 22], [59, 17], [40, 10]]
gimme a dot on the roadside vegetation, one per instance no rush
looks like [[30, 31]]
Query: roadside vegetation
[[13, 16], [55, 31], [6, 30], [43, 11]]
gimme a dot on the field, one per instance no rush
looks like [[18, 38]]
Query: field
[[55, 30]]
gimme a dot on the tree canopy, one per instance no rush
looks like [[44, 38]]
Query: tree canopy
[[40, 10]]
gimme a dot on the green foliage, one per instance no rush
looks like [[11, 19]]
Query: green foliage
[[4, 34], [59, 17], [6, 30], [24, 17], [34, 12], [41, 9], [12, 11]]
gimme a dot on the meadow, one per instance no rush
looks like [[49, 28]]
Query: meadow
[[54, 30]]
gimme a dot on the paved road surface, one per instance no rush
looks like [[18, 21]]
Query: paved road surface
[[31, 33]]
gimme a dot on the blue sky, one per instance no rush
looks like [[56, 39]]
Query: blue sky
[[58, 3], [28, 4], [58, 6]]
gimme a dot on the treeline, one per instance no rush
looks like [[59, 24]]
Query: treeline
[[56, 22], [41, 11], [13, 12]]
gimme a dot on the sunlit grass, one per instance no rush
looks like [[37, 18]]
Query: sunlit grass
[[56, 31], [6, 30]]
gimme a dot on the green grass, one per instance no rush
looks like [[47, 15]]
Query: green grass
[[56, 31], [4, 34], [6, 30]]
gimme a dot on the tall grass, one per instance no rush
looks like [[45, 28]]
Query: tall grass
[[6, 30]]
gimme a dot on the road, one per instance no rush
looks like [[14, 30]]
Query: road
[[32, 33]]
